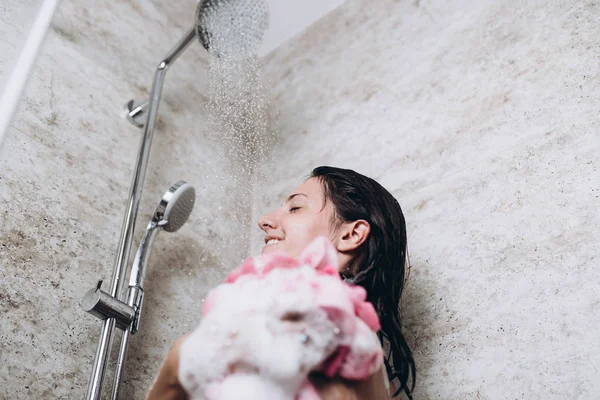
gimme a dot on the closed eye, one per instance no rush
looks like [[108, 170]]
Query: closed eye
[[294, 209]]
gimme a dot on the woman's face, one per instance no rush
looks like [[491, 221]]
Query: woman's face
[[303, 217]]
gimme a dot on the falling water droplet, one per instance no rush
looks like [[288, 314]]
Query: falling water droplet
[[237, 117]]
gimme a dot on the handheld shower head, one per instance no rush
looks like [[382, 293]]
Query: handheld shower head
[[172, 212], [175, 207], [231, 28]]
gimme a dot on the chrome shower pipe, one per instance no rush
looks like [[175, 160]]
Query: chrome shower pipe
[[121, 261], [135, 296]]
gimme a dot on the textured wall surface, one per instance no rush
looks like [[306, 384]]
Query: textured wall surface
[[16, 18], [65, 171], [482, 118]]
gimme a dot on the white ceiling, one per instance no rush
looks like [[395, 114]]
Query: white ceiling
[[290, 17]]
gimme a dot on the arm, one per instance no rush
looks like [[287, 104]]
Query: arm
[[166, 385], [372, 389], [375, 387]]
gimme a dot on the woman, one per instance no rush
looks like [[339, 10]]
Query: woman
[[366, 225]]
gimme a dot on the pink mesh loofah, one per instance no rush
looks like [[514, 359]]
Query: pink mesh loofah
[[273, 321]]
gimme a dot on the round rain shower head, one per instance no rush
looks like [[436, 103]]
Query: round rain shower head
[[232, 28], [176, 206]]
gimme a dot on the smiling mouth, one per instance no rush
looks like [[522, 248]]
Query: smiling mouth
[[271, 242]]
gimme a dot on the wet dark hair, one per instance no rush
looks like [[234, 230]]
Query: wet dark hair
[[381, 265]]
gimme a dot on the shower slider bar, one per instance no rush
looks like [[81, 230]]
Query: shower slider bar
[[113, 311], [247, 20]]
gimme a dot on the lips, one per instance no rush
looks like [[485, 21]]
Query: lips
[[272, 240]]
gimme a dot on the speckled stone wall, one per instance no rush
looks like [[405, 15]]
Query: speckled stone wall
[[16, 17], [65, 171], [482, 118]]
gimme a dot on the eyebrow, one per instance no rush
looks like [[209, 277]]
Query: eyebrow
[[291, 196]]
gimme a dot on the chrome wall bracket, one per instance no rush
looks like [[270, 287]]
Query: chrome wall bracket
[[135, 112], [102, 305]]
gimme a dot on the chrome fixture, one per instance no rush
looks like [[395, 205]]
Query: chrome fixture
[[172, 212], [136, 112], [102, 305], [170, 215], [242, 21], [246, 22]]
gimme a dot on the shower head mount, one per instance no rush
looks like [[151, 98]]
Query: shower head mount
[[227, 29]]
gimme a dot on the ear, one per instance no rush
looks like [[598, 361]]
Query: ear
[[320, 253], [352, 235]]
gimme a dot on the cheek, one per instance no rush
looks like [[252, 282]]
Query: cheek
[[320, 227], [297, 238], [302, 231]]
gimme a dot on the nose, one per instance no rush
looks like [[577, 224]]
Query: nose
[[267, 221]]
